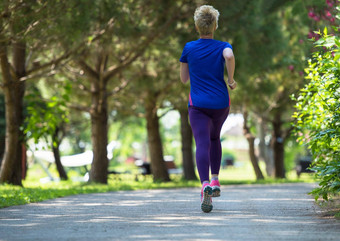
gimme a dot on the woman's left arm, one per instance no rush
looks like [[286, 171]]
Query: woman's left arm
[[230, 64], [184, 72]]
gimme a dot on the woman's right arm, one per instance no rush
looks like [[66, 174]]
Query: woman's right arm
[[230, 64], [184, 72]]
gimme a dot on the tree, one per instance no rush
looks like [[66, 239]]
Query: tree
[[23, 38], [158, 166], [151, 85], [251, 140], [187, 143], [178, 97]]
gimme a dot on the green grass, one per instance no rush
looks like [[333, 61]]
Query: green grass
[[35, 191], [337, 215]]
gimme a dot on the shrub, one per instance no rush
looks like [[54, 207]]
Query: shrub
[[318, 114]]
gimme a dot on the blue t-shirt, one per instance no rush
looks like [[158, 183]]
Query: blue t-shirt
[[206, 69]]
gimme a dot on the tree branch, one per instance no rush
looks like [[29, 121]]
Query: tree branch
[[166, 112], [67, 54], [119, 88], [40, 75], [88, 70], [288, 132], [263, 116], [52, 63], [7, 11], [75, 80], [113, 70], [79, 107]]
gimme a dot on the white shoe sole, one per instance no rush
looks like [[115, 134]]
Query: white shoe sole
[[206, 204]]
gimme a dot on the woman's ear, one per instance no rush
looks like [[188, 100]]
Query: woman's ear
[[196, 29]]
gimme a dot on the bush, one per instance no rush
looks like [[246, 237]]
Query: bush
[[318, 114]]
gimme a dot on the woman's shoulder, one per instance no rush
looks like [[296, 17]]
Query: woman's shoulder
[[222, 42], [191, 43]]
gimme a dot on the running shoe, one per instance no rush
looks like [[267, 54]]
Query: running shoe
[[216, 188], [206, 200]]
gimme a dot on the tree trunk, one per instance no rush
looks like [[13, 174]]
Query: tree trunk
[[55, 147], [2, 148], [14, 89], [187, 154], [278, 146], [158, 167], [99, 128], [2, 127], [266, 153], [253, 158], [270, 155], [252, 155]]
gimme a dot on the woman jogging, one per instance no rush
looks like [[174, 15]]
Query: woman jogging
[[202, 62]]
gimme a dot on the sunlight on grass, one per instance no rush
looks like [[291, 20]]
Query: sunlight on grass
[[242, 173]]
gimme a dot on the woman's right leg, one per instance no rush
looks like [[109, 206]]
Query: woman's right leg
[[200, 125]]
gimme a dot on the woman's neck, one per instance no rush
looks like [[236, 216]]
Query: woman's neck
[[209, 36]]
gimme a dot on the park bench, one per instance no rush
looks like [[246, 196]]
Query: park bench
[[228, 161], [145, 167], [303, 165], [79, 161]]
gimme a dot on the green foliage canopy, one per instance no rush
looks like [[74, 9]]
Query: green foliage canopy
[[44, 116]]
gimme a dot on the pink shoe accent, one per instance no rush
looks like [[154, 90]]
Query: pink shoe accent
[[215, 183], [216, 188]]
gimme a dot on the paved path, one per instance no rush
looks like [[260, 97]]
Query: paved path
[[248, 212]]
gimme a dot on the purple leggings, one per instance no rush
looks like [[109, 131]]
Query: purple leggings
[[206, 126]]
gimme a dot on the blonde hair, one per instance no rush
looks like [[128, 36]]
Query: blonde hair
[[206, 18]]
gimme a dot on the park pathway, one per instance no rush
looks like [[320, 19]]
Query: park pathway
[[244, 212]]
